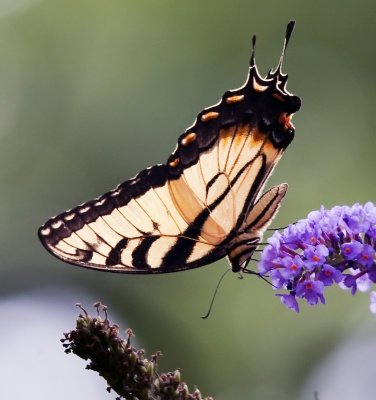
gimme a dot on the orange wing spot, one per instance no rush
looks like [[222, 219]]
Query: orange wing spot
[[234, 99], [191, 137], [257, 87], [285, 120], [174, 163], [208, 116], [278, 97]]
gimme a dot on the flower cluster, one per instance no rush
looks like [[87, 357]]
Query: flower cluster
[[335, 246], [127, 371]]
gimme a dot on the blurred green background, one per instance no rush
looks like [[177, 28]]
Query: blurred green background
[[93, 91]]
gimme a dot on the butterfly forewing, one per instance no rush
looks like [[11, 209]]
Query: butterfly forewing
[[190, 211]]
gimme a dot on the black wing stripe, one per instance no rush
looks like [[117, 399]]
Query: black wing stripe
[[180, 252], [212, 182], [139, 254], [114, 257]]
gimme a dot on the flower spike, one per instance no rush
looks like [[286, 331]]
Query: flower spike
[[336, 246]]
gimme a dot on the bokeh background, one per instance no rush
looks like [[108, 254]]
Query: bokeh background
[[93, 91]]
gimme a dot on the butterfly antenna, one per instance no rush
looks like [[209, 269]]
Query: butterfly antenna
[[215, 294], [252, 61], [249, 271], [282, 227], [277, 229], [289, 30]]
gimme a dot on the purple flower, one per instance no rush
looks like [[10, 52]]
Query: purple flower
[[329, 275], [291, 267], [312, 291], [351, 250], [350, 283], [289, 301], [278, 281], [271, 253], [367, 256], [336, 246], [315, 256]]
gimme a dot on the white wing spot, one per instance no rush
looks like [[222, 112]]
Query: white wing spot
[[57, 224], [45, 231], [84, 210], [116, 192], [69, 217], [100, 203]]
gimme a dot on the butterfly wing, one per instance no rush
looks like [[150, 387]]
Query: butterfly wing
[[182, 214], [130, 229], [260, 216]]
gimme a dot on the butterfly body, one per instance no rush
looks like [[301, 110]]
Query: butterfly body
[[203, 204]]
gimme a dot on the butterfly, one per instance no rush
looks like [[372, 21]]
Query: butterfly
[[204, 203]]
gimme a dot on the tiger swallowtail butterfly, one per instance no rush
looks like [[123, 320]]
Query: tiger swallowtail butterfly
[[204, 203]]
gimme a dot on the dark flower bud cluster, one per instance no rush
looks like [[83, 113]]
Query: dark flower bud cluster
[[127, 371], [335, 246]]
